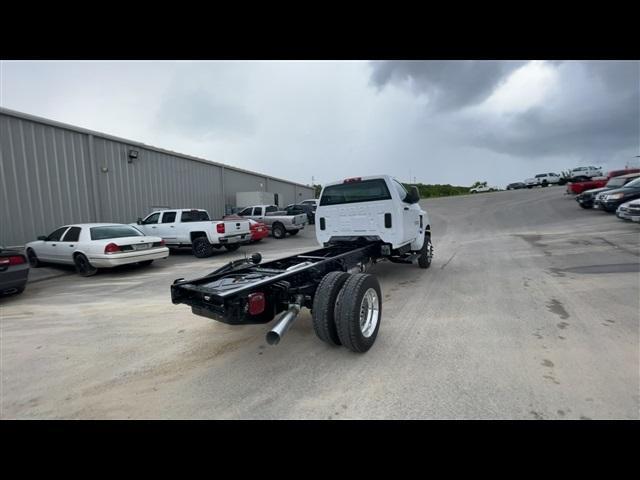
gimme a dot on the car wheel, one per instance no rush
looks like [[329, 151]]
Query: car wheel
[[202, 248], [83, 266], [278, 231], [323, 310], [426, 253], [359, 312], [586, 206], [232, 247], [145, 263], [33, 259], [293, 232]]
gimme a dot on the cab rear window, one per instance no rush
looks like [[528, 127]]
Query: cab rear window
[[194, 216], [354, 192]]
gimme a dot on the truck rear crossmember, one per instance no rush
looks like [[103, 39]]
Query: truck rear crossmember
[[224, 294]]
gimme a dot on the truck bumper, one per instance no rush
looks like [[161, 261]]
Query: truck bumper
[[243, 237]]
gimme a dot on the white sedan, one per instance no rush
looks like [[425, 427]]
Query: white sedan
[[629, 210], [90, 246]]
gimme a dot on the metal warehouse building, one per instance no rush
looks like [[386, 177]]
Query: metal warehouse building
[[53, 174]]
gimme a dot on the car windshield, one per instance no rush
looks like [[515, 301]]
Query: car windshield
[[362, 191], [114, 231], [633, 183], [616, 182]]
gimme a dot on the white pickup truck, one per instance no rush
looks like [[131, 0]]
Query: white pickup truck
[[359, 221], [373, 209], [277, 221], [193, 227], [542, 180], [482, 188]]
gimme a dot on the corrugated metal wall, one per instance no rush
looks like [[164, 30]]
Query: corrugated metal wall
[[45, 176], [286, 192], [153, 180], [53, 174]]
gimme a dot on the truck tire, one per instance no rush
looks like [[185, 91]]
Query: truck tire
[[202, 248], [545, 183], [426, 253], [83, 266], [324, 303], [359, 312], [232, 247], [278, 231], [293, 232]]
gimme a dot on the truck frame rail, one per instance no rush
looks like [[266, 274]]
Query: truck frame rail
[[247, 291]]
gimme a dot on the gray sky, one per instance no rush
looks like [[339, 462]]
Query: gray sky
[[440, 121]]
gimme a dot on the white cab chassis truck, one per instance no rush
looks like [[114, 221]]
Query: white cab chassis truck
[[359, 221], [193, 228]]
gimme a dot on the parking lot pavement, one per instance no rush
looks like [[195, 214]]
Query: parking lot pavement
[[529, 311]]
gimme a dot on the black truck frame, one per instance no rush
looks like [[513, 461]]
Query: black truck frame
[[247, 291]]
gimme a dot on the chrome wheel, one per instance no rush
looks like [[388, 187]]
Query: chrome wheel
[[369, 312]]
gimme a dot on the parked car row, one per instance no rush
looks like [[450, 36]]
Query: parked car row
[[578, 174], [577, 186], [620, 194], [91, 246]]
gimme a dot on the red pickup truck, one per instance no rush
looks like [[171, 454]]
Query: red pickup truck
[[579, 187]]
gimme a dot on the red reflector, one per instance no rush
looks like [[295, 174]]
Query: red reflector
[[256, 303], [16, 260], [351, 180], [111, 248], [220, 227]]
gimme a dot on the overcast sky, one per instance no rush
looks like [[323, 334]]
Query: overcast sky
[[438, 121]]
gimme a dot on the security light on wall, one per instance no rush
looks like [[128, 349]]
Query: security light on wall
[[132, 154]]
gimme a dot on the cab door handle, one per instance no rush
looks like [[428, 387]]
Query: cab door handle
[[406, 208]]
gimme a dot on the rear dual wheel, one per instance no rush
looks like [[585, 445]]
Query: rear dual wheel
[[347, 310]]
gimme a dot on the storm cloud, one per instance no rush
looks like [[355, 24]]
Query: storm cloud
[[592, 111], [448, 84], [433, 121]]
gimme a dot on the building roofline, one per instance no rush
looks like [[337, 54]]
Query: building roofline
[[73, 128]]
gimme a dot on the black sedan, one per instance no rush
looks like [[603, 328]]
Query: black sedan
[[14, 271], [516, 186], [611, 199]]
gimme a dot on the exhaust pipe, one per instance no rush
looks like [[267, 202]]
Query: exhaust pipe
[[286, 320]]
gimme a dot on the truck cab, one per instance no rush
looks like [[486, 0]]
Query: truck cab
[[371, 209], [194, 227]]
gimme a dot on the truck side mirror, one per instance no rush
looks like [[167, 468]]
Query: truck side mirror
[[413, 195], [42, 237], [139, 221]]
